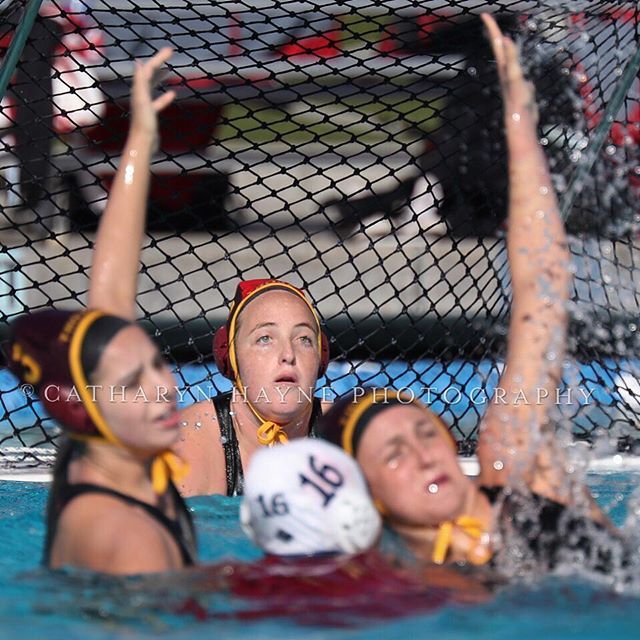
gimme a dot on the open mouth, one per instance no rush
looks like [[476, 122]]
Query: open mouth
[[436, 484], [286, 379]]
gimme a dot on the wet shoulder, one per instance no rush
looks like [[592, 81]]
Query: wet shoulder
[[199, 445]]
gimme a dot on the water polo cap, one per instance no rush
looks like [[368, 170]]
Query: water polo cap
[[56, 352], [308, 498], [224, 350], [344, 424], [347, 419]]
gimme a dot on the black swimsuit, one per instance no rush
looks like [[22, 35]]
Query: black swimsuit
[[229, 440], [546, 533], [181, 529]]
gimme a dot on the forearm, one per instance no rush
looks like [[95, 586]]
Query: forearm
[[114, 272]]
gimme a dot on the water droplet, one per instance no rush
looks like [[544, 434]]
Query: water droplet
[[472, 71], [532, 25], [551, 356], [433, 488], [223, 439], [544, 190], [540, 214], [515, 117], [544, 141], [184, 424], [610, 149], [498, 465], [198, 425], [618, 71]]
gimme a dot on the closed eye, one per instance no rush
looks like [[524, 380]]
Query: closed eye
[[393, 457]]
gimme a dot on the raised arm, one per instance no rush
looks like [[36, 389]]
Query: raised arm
[[516, 431], [114, 271]]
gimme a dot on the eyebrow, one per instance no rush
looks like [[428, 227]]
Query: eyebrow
[[393, 442], [131, 374], [262, 325], [307, 325]]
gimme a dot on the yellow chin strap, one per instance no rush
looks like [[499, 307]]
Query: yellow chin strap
[[165, 465], [479, 553], [270, 433]]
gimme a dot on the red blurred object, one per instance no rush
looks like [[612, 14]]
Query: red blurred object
[[321, 46], [186, 125]]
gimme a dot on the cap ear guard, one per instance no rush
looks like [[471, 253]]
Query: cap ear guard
[[68, 409], [221, 353]]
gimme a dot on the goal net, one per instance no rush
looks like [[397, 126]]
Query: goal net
[[352, 148]]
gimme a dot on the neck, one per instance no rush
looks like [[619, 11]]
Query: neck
[[247, 423], [114, 467], [420, 539]]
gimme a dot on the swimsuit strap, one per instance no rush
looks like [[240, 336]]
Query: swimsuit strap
[[491, 493], [233, 463], [316, 414], [181, 529], [229, 440]]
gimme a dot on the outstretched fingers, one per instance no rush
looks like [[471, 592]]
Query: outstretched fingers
[[146, 76], [518, 93]]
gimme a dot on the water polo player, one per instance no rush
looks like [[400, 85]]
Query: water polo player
[[272, 346], [112, 507], [307, 506], [407, 454]]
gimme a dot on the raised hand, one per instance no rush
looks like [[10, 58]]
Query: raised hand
[[144, 108], [518, 94], [114, 274]]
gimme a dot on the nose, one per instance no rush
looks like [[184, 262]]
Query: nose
[[287, 354], [162, 380], [424, 455]]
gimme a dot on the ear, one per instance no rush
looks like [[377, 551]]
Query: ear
[[221, 352], [324, 354], [62, 403]]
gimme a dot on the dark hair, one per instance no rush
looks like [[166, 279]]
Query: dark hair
[[68, 451]]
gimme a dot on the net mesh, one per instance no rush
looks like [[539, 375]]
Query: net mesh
[[352, 148]]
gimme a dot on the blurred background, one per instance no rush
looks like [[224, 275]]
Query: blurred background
[[354, 149]]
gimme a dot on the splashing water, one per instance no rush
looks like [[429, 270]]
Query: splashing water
[[566, 54]]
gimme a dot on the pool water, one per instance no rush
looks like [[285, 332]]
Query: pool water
[[40, 604]]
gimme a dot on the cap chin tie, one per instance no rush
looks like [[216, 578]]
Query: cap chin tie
[[270, 433], [167, 466], [472, 527]]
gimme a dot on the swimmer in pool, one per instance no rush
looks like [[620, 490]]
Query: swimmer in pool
[[272, 346], [408, 455], [113, 507], [307, 506]]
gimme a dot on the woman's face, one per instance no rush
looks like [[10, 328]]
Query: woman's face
[[135, 392], [277, 354], [411, 467]]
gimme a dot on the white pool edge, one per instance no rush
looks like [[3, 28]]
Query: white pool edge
[[610, 464]]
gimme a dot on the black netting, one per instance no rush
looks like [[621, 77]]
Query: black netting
[[353, 148]]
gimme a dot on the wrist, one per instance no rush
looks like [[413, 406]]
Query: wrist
[[141, 138]]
